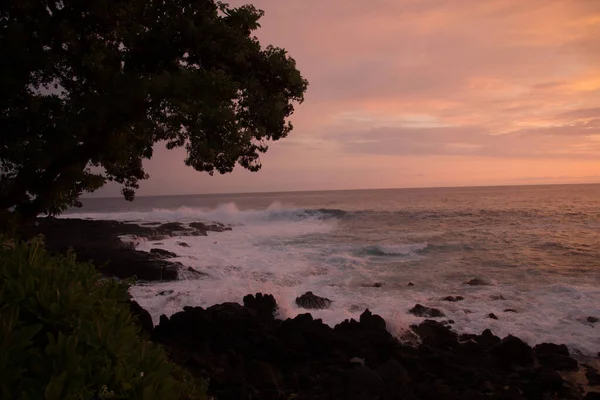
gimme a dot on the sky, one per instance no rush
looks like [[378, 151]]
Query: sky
[[424, 93]]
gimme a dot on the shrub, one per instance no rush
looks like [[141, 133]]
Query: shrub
[[65, 333]]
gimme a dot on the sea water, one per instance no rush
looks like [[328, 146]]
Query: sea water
[[538, 247]]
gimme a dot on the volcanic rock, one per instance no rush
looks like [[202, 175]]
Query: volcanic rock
[[311, 301], [163, 253], [422, 311]]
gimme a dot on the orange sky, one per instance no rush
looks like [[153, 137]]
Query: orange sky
[[407, 93]]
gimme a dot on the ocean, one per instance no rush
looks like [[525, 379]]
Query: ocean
[[537, 247]]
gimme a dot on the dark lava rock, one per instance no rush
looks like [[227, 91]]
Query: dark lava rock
[[375, 284], [453, 298], [513, 351], [511, 310], [142, 316], [592, 376], [248, 354], [422, 311], [99, 242], [311, 301], [372, 321], [163, 253], [214, 227], [476, 282], [558, 362], [555, 357], [165, 293], [190, 273], [434, 334], [551, 348], [261, 305], [592, 320], [487, 339], [183, 244], [170, 228], [492, 316]]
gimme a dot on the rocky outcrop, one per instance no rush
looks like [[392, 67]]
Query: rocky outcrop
[[100, 242], [248, 354], [422, 311], [311, 301], [477, 282], [453, 299], [163, 253]]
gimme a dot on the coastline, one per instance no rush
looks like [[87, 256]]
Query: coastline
[[247, 353]]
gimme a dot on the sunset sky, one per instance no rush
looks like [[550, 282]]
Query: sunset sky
[[412, 93]]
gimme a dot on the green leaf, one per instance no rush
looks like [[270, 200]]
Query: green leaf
[[55, 386]]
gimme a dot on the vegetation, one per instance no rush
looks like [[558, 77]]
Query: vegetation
[[65, 333], [92, 86]]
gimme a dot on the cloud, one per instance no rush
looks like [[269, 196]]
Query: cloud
[[543, 142], [461, 91]]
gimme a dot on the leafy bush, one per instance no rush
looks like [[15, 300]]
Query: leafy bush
[[65, 333]]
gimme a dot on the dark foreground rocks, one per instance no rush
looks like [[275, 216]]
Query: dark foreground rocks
[[248, 354], [99, 242]]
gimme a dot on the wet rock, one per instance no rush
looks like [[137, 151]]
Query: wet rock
[[165, 293], [476, 282], [183, 244], [551, 348], [372, 321], [487, 339], [513, 351], [510, 310], [311, 301], [214, 227], [261, 305], [190, 273], [375, 284], [422, 311], [163, 253], [142, 316], [492, 316], [99, 242], [434, 334], [453, 298], [170, 228]]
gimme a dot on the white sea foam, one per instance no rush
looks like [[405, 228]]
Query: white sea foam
[[286, 252]]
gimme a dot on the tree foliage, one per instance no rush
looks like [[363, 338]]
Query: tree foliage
[[89, 87]]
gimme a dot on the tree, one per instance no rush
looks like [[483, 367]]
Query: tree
[[87, 88]]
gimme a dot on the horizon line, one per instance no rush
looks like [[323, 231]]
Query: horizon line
[[344, 190]]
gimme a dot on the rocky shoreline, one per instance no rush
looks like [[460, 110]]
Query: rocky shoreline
[[101, 243], [249, 354]]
